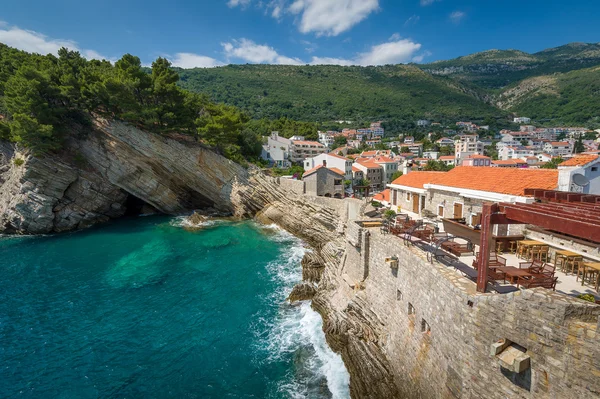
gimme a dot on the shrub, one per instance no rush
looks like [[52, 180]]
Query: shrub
[[587, 297], [18, 161]]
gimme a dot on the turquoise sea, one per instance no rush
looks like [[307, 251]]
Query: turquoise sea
[[143, 308]]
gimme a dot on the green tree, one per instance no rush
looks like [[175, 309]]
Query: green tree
[[339, 141], [396, 175], [579, 147], [553, 164]]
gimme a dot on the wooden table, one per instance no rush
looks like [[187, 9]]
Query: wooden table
[[595, 266], [567, 255], [372, 224], [513, 273], [529, 243]]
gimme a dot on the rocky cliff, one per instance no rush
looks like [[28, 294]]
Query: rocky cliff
[[103, 168]]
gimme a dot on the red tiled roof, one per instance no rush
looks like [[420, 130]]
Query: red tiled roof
[[418, 179], [310, 171], [384, 160], [383, 196], [559, 143], [497, 180], [338, 156], [579, 160], [355, 169], [509, 162], [477, 156], [447, 157], [336, 170]]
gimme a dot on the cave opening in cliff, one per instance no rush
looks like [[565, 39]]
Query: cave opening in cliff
[[135, 206]]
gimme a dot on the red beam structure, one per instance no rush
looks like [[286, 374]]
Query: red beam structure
[[573, 214]]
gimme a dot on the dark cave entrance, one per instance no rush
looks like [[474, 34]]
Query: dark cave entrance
[[135, 206]]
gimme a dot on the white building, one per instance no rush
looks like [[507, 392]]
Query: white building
[[330, 161], [302, 149], [423, 122], [326, 138], [522, 119], [507, 153], [279, 150], [558, 148], [580, 174], [466, 145]]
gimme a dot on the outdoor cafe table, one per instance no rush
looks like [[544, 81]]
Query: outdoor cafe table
[[591, 265], [529, 243], [568, 255], [513, 273]]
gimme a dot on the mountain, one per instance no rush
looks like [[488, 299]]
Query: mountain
[[330, 92], [554, 85], [565, 98], [495, 69]]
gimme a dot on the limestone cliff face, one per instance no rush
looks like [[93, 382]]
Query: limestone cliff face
[[91, 180]]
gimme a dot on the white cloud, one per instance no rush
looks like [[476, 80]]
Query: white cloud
[[457, 16], [420, 57], [331, 17], [190, 60], [392, 52], [413, 20], [35, 42], [235, 3], [428, 2], [248, 50], [322, 17], [394, 37]]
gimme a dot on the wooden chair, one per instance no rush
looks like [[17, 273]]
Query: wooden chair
[[535, 266], [574, 262], [513, 247], [521, 250], [585, 272], [547, 270]]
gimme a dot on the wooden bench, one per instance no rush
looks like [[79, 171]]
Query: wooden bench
[[538, 280], [457, 249]]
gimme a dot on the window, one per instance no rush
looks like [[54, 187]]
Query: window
[[408, 196], [398, 295], [411, 309], [594, 168], [425, 329]]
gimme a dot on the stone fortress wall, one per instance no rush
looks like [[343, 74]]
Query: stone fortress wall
[[437, 333]]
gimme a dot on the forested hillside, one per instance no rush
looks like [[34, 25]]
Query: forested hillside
[[43, 99], [328, 92], [482, 86]]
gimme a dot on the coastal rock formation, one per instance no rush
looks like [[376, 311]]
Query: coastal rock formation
[[103, 168]]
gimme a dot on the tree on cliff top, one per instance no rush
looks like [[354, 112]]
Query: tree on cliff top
[[42, 95]]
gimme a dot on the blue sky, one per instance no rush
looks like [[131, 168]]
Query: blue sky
[[206, 33]]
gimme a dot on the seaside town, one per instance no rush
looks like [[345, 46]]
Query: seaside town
[[300, 199], [343, 160]]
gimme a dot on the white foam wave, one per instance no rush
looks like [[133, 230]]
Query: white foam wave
[[297, 330], [184, 221]]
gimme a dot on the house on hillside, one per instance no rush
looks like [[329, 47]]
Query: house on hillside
[[331, 160], [372, 171], [324, 182]]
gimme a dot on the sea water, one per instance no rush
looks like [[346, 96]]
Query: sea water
[[143, 307]]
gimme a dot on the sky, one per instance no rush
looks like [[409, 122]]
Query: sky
[[208, 33]]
